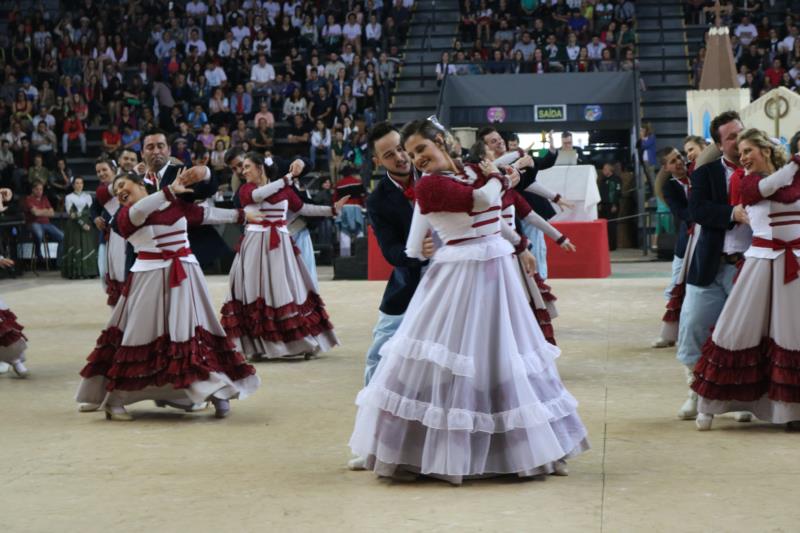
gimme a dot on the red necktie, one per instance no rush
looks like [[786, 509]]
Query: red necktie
[[152, 179], [735, 188]]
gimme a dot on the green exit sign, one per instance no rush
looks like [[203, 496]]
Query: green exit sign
[[551, 113]]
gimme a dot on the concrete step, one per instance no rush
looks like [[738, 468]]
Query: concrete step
[[655, 49], [426, 100], [655, 23]]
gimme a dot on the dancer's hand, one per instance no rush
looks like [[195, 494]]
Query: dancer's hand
[[100, 223], [296, 168], [253, 217], [564, 204], [528, 262], [513, 174], [568, 246], [488, 167], [6, 263], [6, 194], [190, 176], [86, 227], [428, 248], [140, 168], [740, 215], [178, 187], [337, 207]]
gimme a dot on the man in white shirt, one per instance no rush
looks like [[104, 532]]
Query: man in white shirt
[[197, 42], [164, 46], [526, 46], [348, 55], [215, 74], [746, 31], [273, 9], [45, 116], [787, 44], [261, 74], [228, 45], [595, 48], [195, 8], [352, 32], [240, 31], [333, 65]]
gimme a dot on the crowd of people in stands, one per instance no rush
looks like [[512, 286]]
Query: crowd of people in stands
[[499, 37], [293, 77], [766, 46]]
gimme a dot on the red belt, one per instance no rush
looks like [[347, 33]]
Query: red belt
[[178, 274], [274, 238], [791, 268]]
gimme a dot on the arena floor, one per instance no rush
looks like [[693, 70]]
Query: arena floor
[[277, 464]]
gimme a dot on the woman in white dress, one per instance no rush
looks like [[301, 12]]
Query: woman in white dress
[[468, 386], [752, 361], [163, 341], [273, 309]]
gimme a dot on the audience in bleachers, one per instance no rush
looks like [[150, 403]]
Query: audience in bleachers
[[767, 53], [200, 69]]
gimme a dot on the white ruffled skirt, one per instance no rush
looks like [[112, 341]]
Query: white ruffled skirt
[[468, 385]]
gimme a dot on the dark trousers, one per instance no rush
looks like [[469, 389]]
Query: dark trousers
[[604, 211]]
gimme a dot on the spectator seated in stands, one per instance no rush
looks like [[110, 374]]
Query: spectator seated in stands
[[38, 211]]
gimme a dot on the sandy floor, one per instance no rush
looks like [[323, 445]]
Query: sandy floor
[[278, 463]]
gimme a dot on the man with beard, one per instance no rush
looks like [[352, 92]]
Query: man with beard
[[390, 207], [129, 162], [724, 235]]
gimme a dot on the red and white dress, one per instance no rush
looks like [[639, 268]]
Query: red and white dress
[[115, 248], [540, 297], [752, 360], [12, 341], [163, 340], [273, 309], [468, 385]]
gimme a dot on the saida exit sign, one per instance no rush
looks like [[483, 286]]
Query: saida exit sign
[[550, 113]]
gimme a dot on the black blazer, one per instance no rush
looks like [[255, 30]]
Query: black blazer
[[709, 207], [540, 205], [390, 214], [678, 203]]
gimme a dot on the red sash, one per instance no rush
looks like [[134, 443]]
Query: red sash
[[178, 274], [790, 272], [274, 238]]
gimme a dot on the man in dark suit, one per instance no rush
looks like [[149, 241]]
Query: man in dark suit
[[724, 236], [390, 207], [206, 243], [538, 196], [672, 186]]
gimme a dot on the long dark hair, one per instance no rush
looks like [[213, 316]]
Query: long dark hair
[[428, 129]]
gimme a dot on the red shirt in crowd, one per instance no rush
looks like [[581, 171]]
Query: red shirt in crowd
[[775, 75], [73, 128], [32, 201]]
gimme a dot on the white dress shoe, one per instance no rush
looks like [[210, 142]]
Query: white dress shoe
[[19, 369], [118, 413], [742, 416], [688, 410], [88, 407], [662, 343], [357, 463], [704, 421], [4, 367], [560, 468]]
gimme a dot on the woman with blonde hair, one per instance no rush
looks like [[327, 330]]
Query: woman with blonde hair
[[752, 360]]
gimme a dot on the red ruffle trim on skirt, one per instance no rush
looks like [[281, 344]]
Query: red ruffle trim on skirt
[[544, 320], [748, 374], [545, 289], [676, 295], [113, 290], [10, 329], [290, 322], [164, 362]]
